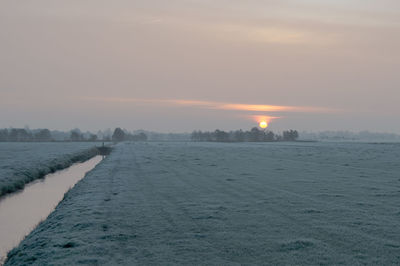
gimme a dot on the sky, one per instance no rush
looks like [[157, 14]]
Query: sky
[[181, 65]]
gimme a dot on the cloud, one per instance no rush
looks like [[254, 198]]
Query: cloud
[[217, 105], [270, 34], [260, 118]]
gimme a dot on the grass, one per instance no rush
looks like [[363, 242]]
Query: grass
[[22, 177]]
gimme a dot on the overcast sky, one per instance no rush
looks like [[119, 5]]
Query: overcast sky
[[180, 65]]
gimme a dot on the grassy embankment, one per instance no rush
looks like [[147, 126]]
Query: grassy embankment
[[22, 176]]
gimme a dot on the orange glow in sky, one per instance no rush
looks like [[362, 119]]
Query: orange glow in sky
[[218, 105], [263, 118]]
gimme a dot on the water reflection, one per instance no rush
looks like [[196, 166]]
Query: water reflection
[[22, 211]]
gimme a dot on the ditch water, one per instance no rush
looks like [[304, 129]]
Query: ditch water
[[22, 211]]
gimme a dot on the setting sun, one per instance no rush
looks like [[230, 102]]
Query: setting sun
[[263, 124]]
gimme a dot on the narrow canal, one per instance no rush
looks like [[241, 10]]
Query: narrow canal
[[21, 212]]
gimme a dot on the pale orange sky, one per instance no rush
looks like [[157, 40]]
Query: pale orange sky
[[60, 60]]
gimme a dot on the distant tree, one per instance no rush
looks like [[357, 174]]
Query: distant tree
[[290, 135], [208, 136], [142, 137], [19, 134], [196, 136], [43, 135], [256, 135], [3, 135], [138, 137], [239, 136], [92, 137], [76, 136], [118, 135], [269, 136], [221, 136], [295, 134], [107, 134], [100, 135]]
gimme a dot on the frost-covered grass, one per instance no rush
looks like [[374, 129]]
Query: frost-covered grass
[[228, 204], [21, 163]]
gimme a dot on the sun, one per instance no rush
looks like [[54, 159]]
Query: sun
[[263, 124]]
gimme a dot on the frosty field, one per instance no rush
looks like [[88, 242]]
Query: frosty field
[[21, 163], [228, 204]]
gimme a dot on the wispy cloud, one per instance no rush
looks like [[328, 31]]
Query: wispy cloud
[[217, 105], [269, 34], [266, 118]]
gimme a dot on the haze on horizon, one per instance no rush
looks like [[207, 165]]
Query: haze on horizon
[[180, 65]]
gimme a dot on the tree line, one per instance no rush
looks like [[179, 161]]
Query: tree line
[[254, 135], [121, 135], [21, 134], [45, 135]]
